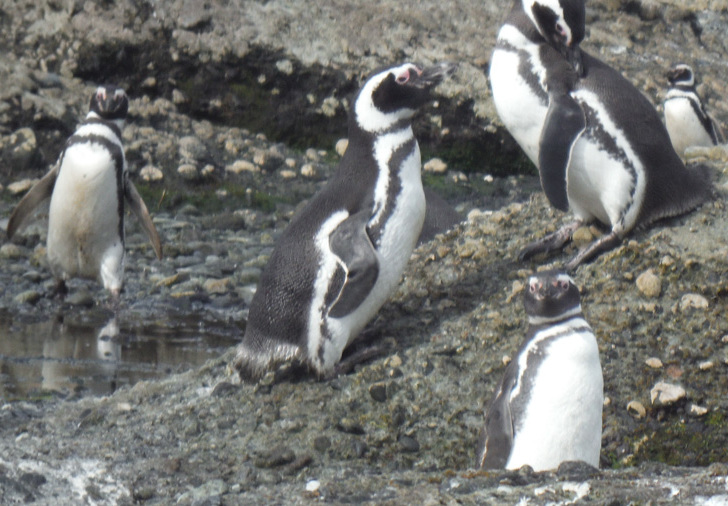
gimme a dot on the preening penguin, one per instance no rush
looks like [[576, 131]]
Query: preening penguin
[[598, 143], [345, 251], [88, 188], [548, 406], [686, 119]]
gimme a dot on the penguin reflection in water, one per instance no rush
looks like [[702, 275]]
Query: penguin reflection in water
[[88, 188], [686, 119], [345, 251], [548, 406], [599, 144]]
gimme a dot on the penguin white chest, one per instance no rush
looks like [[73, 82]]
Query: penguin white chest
[[563, 418], [398, 214], [683, 125], [84, 221], [519, 97]]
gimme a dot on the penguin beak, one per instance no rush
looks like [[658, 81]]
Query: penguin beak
[[432, 76]]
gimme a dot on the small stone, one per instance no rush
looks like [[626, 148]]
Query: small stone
[[582, 236], [653, 362], [394, 361], [12, 251], [696, 410], [636, 409], [665, 394], [378, 391], [341, 146], [21, 186], [435, 165], [285, 66], [312, 486], [321, 443], [409, 444], [27, 297], [706, 365], [312, 154], [81, 298], [649, 284], [151, 173], [693, 300], [290, 163], [178, 97], [191, 148], [308, 170], [188, 171], [279, 456], [207, 170], [149, 83], [217, 286], [239, 166], [287, 174], [667, 261]]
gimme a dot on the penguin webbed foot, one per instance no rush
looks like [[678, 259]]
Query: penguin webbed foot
[[551, 242], [348, 363], [596, 248]]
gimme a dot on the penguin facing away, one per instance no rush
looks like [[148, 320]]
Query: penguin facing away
[[686, 119], [88, 188], [548, 407], [598, 143], [345, 251]]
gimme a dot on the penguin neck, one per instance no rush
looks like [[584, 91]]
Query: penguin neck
[[362, 142], [117, 125], [538, 321]]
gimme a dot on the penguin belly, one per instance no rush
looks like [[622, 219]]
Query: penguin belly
[[605, 177], [520, 102], [563, 418], [684, 126], [83, 225], [394, 248]]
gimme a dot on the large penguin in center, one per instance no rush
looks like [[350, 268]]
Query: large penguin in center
[[345, 251], [88, 188], [598, 143]]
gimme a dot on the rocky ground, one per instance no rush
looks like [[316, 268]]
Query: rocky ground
[[236, 110]]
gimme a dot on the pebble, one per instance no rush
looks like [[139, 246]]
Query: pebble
[[239, 166], [649, 284], [706, 365], [80, 297], [12, 251], [188, 171], [636, 409], [654, 362], [341, 146], [27, 297], [582, 236], [151, 173], [378, 391], [312, 485], [21, 186], [308, 170], [191, 148], [698, 410], [666, 394], [217, 286], [409, 444], [693, 300], [435, 165]]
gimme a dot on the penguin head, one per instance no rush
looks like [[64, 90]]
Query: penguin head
[[394, 94], [110, 103], [550, 296], [681, 75], [562, 23]]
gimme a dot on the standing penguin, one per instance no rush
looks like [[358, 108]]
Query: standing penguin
[[548, 406], [598, 143], [88, 188], [685, 117], [344, 252]]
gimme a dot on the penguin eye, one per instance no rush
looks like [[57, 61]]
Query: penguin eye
[[403, 78], [533, 286]]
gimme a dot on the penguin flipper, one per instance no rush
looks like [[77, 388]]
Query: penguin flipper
[[351, 243], [496, 438], [564, 124], [40, 191], [139, 208]]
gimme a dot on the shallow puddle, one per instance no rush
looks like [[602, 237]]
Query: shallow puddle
[[93, 352]]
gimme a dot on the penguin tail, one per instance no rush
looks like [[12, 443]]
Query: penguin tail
[[252, 363]]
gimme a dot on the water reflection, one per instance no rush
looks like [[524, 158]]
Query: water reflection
[[93, 352]]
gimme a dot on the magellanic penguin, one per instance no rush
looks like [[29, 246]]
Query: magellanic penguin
[[88, 188], [685, 117], [548, 406], [345, 251], [599, 144]]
